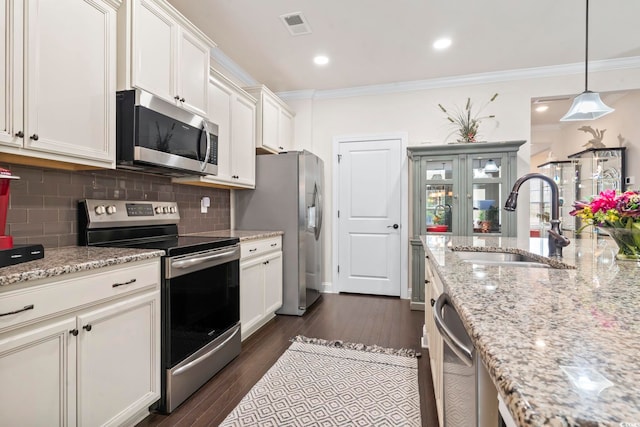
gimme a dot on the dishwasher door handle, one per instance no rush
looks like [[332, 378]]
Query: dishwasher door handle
[[462, 351]]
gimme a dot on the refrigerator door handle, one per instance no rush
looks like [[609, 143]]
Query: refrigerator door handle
[[318, 203]]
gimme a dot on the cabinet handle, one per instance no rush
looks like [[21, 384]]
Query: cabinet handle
[[253, 250], [181, 99], [266, 262], [426, 282], [115, 285], [273, 245], [87, 327], [282, 148], [25, 308], [177, 97], [20, 134], [432, 302], [35, 137], [74, 332]]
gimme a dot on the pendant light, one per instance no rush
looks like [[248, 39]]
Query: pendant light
[[587, 105], [491, 166]]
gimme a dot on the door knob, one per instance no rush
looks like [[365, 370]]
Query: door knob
[[394, 226]]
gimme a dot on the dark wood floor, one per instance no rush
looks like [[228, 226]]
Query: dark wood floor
[[384, 321]]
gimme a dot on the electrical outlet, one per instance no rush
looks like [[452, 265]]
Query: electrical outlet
[[630, 180]]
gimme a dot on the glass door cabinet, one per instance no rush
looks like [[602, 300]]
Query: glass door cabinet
[[565, 174], [458, 189], [598, 169]]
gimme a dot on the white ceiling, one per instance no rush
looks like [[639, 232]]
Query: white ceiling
[[388, 41]]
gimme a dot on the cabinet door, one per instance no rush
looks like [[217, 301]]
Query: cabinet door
[[154, 50], [273, 283], [220, 100], [192, 71], [270, 126], [285, 125], [118, 365], [243, 136], [7, 37], [251, 294], [38, 376], [442, 198], [69, 91]]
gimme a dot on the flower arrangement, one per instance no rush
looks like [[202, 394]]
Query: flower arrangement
[[618, 214], [465, 121]]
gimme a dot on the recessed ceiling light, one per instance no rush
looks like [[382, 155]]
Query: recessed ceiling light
[[542, 108], [442, 43], [321, 60]]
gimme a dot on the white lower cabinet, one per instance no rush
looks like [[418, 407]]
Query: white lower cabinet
[[433, 289], [260, 282], [86, 353]]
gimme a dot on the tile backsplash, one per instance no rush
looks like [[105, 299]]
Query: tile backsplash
[[44, 202]]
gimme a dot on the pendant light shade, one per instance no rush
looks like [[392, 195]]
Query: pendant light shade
[[491, 166], [587, 105]]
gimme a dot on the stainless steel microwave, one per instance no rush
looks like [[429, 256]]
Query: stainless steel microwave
[[155, 136]]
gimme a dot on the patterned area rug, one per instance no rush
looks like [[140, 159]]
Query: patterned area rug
[[332, 383]]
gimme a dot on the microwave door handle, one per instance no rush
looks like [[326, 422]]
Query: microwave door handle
[[208, 151]]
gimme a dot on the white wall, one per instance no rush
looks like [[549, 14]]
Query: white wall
[[320, 119]]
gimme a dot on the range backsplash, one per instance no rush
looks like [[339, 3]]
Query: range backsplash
[[43, 207]]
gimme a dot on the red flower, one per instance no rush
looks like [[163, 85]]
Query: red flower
[[607, 200]]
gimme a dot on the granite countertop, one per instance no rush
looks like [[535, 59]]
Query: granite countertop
[[561, 345], [73, 259], [70, 260], [243, 235]]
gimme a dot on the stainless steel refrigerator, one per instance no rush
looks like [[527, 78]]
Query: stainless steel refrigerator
[[289, 197]]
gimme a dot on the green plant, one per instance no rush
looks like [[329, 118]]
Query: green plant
[[491, 215], [465, 122]]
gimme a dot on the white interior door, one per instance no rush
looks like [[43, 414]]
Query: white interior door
[[369, 222]]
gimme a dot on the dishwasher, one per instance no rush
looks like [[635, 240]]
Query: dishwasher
[[469, 396]]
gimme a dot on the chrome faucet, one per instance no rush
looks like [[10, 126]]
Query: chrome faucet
[[556, 240]]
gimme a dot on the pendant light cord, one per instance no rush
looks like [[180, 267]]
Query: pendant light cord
[[586, 49]]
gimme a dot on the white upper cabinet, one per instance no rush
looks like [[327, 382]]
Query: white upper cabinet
[[57, 82], [234, 111], [168, 56], [274, 122]]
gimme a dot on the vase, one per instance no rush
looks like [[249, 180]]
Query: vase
[[628, 241]]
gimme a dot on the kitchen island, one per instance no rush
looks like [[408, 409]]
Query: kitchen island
[[561, 345]]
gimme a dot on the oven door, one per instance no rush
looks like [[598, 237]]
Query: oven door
[[201, 300]]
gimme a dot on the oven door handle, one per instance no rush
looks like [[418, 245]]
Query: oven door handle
[[202, 358], [186, 263]]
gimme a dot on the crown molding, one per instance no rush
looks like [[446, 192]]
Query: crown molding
[[232, 68], [471, 79]]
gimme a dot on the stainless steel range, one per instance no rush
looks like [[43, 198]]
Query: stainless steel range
[[200, 288]]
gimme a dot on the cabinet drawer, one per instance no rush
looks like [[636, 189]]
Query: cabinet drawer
[[253, 248], [34, 303]]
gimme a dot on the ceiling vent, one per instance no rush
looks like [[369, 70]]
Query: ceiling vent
[[296, 23]]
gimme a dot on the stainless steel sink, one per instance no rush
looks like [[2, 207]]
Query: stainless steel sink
[[500, 258]]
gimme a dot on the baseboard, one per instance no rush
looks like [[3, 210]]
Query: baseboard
[[425, 337], [327, 288], [418, 306]]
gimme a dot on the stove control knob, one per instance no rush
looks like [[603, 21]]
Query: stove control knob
[[158, 210], [100, 210], [165, 209], [173, 209], [111, 209]]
